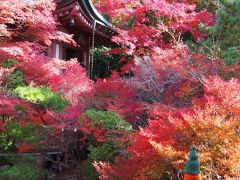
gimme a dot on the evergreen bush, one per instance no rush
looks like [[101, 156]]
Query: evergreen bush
[[42, 96]]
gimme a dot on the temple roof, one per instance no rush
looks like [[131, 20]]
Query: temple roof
[[84, 17]]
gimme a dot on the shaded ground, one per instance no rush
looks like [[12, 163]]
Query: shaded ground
[[70, 174]]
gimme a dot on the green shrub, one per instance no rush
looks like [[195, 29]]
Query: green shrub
[[103, 152], [42, 96], [6, 141], [23, 133], [23, 171], [108, 119], [16, 134], [15, 80], [9, 63]]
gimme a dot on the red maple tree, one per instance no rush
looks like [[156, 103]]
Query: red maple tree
[[187, 99], [27, 28]]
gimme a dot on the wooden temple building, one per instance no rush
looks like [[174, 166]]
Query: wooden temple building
[[90, 29]]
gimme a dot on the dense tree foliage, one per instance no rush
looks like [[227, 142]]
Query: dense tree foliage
[[178, 53], [174, 88], [224, 35], [35, 88]]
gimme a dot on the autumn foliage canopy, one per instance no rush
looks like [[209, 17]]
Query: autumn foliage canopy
[[175, 89]]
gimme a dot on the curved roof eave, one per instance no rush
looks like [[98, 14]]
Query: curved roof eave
[[92, 11]]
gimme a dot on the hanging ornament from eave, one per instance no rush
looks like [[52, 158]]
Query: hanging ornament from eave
[[92, 48]]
